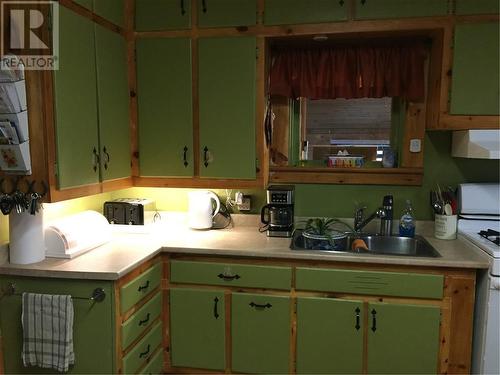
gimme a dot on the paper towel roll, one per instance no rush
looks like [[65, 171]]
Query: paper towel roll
[[27, 243]]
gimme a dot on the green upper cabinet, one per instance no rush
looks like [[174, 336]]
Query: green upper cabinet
[[226, 13], [329, 336], [151, 15], [373, 9], [165, 113], [197, 328], [475, 74], [403, 339], [86, 3], [476, 6], [112, 10], [113, 99], [283, 12], [93, 324], [76, 102], [260, 333], [227, 81]]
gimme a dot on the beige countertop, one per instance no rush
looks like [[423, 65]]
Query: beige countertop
[[128, 250]]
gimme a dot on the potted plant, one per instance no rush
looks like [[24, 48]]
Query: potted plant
[[323, 233]]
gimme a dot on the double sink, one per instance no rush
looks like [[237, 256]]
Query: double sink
[[376, 244]]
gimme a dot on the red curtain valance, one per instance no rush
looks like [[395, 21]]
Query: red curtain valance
[[349, 72]]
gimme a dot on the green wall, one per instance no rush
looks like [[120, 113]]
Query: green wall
[[439, 167]]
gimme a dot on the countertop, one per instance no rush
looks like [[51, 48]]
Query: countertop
[[128, 250]]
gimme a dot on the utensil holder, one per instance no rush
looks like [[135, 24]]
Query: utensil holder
[[445, 227]]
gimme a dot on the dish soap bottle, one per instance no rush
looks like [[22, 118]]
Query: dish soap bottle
[[407, 222]]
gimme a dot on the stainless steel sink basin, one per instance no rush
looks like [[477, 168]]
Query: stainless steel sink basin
[[394, 245]]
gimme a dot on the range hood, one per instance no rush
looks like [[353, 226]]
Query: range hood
[[476, 144]]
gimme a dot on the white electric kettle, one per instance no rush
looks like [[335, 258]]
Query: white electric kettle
[[201, 211]]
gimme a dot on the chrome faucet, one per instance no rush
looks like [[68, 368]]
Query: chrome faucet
[[384, 213]]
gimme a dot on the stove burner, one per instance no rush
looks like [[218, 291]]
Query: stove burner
[[495, 236]]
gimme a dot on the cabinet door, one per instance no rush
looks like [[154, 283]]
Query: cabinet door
[[93, 325], [112, 10], [227, 75], [373, 9], [76, 102], [153, 15], [165, 107], [403, 339], [197, 328], [475, 80], [220, 13], [476, 6], [113, 99], [282, 12], [329, 336], [260, 331]]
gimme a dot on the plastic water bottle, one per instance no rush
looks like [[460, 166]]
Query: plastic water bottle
[[407, 222]]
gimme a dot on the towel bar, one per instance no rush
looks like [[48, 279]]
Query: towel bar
[[98, 294]]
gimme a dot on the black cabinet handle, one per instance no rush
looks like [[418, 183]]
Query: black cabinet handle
[[204, 5], [341, 3], [216, 314], [357, 311], [363, 2], [95, 159], [256, 305], [228, 277], [145, 353], [185, 156], [374, 320], [183, 10], [205, 156], [141, 322], [108, 158], [142, 287]]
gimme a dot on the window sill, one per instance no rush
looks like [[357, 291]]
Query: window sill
[[347, 176]]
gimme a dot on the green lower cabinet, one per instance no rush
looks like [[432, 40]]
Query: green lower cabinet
[[75, 97], [93, 325], [227, 95], [475, 86], [403, 339], [287, 12], [154, 15], [374, 9], [476, 7], [165, 110], [329, 336], [260, 331], [197, 328], [113, 104], [226, 13]]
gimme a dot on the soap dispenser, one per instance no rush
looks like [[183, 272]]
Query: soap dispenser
[[407, 222]]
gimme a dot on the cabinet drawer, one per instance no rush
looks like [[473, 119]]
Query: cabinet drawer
[[155, 364], [132, 292], [370, 282], [143, 350], [230, 274], [141, 320]]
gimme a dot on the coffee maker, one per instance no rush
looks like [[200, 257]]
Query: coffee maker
[[277, 214]]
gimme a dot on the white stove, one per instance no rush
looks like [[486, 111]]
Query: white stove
[[480, 224], [485, 234]]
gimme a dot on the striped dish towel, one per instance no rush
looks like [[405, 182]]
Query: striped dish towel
[[48, 331]]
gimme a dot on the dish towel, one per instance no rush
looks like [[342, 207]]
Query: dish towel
[[47, 331]]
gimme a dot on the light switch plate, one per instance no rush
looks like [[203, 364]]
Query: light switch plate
[[415, 145]]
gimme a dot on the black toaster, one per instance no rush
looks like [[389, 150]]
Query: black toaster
[[128, 211]]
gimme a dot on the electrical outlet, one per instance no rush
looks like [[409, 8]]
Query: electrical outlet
[[245, 203], [415, 145]]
